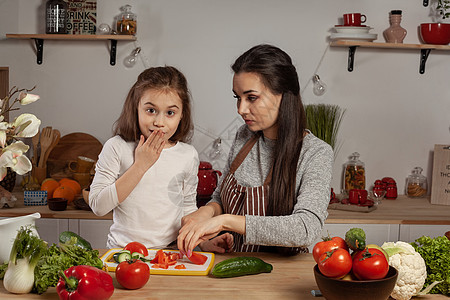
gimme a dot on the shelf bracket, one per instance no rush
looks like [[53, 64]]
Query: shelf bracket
[[351, 57], [39, 50], [423, 59], [112, 53], [425, 2]]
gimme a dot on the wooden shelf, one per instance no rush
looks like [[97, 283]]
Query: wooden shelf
[[425, 50], [39, 41]]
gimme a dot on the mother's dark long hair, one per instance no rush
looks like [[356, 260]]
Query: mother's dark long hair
[[277, 72]]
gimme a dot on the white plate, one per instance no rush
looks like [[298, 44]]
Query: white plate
[[354, 36], [352, 29]]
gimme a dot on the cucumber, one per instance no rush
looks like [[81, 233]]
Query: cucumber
[[121, 256], [137, 255], [66, 236], [240, 266]]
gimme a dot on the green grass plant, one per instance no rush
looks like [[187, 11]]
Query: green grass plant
[[324, 121]]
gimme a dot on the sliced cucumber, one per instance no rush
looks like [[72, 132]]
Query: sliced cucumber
[[137, 255], [122, 256]]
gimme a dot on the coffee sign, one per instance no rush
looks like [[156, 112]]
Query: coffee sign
[[440, 189], [82, 16]]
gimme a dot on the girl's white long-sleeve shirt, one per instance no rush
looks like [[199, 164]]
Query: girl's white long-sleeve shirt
[[152, 212]]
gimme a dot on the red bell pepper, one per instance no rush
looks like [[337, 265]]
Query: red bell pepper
[[198, 258], [83, 283]]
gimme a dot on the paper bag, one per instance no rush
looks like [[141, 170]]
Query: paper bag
[[440, 188]]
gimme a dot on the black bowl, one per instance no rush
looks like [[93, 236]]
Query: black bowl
[[338, 289], [57, 204]]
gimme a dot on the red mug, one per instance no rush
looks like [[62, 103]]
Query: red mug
[[354, 19], [357, 196]]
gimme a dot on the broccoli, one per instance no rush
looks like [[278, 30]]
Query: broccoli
[[355, 239]]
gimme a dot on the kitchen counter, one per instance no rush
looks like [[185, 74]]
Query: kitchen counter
[[291, 278], [403, 210]]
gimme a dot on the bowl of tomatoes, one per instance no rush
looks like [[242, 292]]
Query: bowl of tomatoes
[[363, 274], [355, 289], [348, 269]]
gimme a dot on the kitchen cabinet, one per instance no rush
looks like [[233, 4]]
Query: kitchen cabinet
[[39, 41], [95, 231], [425, 50]]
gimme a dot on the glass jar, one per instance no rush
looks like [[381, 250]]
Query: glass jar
[[354, 174], [126, 21], [416, 184], [56, 16]]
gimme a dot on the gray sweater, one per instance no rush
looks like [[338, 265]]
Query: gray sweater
[[314, 171]]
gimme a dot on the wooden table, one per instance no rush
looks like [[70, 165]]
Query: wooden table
[[291, 278], [403, 210]]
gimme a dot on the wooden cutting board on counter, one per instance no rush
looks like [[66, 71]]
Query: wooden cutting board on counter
[[68, 149], [191, 268]]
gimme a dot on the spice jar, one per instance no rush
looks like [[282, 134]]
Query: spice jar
[[416, 184], [354, 174], [126, 21]]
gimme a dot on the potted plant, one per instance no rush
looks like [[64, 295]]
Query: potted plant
[[443, 8], [324, 120], [437, 33]]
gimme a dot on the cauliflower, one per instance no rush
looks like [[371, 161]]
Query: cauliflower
[[412, 271]]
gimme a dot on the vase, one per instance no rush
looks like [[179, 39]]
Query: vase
[[9, 181], [395, 33]]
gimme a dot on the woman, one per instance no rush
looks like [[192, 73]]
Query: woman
[[276, 185]]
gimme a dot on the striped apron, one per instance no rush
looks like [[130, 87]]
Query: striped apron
[[241, 200]]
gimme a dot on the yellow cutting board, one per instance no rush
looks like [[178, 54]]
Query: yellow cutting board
[[191, 268]]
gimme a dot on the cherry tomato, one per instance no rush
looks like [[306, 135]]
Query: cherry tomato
[[132, 274], [327, 245], [136, 247], [335, 263], [369, 264]]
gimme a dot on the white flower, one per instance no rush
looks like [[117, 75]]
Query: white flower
[[26, 125], [3, 128], [26, 98], [12, 157]]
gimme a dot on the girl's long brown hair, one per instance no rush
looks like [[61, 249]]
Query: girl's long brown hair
[[277, 72], [158, 78]]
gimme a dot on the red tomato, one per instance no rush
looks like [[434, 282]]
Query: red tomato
[[198, 258], [335, 263], [327, 245], [369, 264], [132, 274], [136, 247]]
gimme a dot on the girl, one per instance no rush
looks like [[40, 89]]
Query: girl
[[147, 173], [275, 189]]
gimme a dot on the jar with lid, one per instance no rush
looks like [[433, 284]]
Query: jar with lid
[[126, 21], [56, 16], [354, 174], [416, 184]]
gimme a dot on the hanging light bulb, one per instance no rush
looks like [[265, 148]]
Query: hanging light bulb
[[130, 60], [319, 87]]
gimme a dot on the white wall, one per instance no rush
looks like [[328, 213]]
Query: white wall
[[394, 115]]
